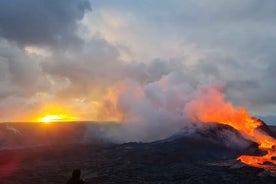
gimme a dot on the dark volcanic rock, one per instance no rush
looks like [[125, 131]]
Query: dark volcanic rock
[[264, 127], [198, 157], [210, 142]]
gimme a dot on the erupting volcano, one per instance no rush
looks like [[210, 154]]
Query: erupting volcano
[[210, 106]]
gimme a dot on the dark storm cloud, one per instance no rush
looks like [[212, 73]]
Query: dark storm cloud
[[20, 75], [41, 22]]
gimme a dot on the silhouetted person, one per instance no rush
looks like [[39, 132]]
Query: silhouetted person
[[75, 179]]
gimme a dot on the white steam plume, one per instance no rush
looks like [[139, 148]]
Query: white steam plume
[[155, 110]]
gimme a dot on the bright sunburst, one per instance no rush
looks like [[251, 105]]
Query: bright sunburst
[[55, 118]]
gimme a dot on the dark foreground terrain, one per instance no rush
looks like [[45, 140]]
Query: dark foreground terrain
[[205, 156]]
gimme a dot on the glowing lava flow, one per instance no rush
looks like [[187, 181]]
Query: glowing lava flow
[[267, 161], [248, 126], [210, 106]]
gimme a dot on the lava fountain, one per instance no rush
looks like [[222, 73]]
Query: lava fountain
[[210, 106]]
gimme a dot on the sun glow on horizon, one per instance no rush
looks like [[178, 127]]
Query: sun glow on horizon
[[56, 118], [55, 112]]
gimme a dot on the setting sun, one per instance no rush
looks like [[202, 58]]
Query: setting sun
[[55, 118]]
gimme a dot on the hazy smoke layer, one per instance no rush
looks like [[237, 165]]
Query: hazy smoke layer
[[158, 109]]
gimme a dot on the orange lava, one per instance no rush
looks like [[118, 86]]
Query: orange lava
[[211, 106], [247, 125], [266, 162]]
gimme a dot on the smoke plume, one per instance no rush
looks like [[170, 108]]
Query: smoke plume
[[159, 109]]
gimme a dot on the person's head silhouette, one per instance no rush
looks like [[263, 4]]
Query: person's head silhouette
[[75, 179], [76, 174]]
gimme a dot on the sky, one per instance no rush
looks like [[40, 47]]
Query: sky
[[75, 58]]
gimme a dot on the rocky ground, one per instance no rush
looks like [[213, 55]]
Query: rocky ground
[[119, 164], [203, 157]]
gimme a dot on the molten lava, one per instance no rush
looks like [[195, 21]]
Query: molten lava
[[210, 106]]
